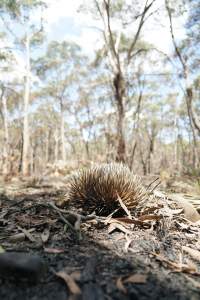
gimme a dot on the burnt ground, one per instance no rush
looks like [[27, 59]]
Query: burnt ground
[[99, 261]]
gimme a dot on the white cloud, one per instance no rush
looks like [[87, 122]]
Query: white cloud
[[89, 37], [84, 31], [60, 8]]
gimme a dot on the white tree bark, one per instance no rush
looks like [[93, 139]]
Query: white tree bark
[[26, 138], [62, 133], [6, 138], [56, 146]]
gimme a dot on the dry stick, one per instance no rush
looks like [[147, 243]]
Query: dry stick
[[153, 189], [124, 207], [75, 229], [51, 205], [109, 217], [77, 224], [151, 183], [78, 216], [27, 233], [112, 213], [66, 221]]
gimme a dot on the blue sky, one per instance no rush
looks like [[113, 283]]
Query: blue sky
[[64, 27]]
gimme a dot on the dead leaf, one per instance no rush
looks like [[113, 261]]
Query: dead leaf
[[77, 224], [151, 209], [72, 285], [182, 225], [195, 254], [176, 211], [53, 250], [119, 237], [194, 282], [177, 267], [76, 275], [171, 212], [121, 286], [120, 227], [191, 264], [136, 278], [149, 218], [19, 237], [27, 233], [111, 228], [127, 244], [126, 220], [159, 194], [45, 235], [189, 211]]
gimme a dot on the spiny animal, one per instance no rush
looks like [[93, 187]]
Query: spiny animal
[[99, 188]]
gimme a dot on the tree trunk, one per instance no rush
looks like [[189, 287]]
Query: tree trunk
[[21, 153], [195, 156], [119, 86], [32, 160], [6, 139], [112, 43], [47, 146], [175, 129], [191, 112], [87, 149], [150, 152], [62, 131], [56, 146], [136, 126], [25, 157], [188, 89], [144, 165], [132, 155]]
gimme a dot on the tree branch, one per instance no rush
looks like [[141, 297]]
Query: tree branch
[[141, 23], [188, 90], [183, 63]]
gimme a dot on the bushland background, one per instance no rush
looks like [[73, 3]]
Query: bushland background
[[129, 94]]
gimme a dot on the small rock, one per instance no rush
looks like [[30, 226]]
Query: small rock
[[21, 266]]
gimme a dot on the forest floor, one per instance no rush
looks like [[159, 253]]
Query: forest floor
[[156, 256]]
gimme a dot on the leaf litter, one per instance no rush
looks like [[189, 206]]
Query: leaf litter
[[164, 232]]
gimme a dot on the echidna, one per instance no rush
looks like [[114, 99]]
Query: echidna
[[99, 187]]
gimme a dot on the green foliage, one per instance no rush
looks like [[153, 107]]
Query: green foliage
[[3, 56], [17, 8], [59, 58]]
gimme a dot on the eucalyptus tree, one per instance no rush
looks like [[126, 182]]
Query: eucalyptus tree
[[4, 114], [25, 32], [187, 55], [8, 95], [118, 19], [184, 56], [60, 71]]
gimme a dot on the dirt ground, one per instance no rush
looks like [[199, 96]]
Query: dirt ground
[[98, 261]]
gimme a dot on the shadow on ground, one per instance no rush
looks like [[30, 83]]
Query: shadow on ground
[[100, 268]]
